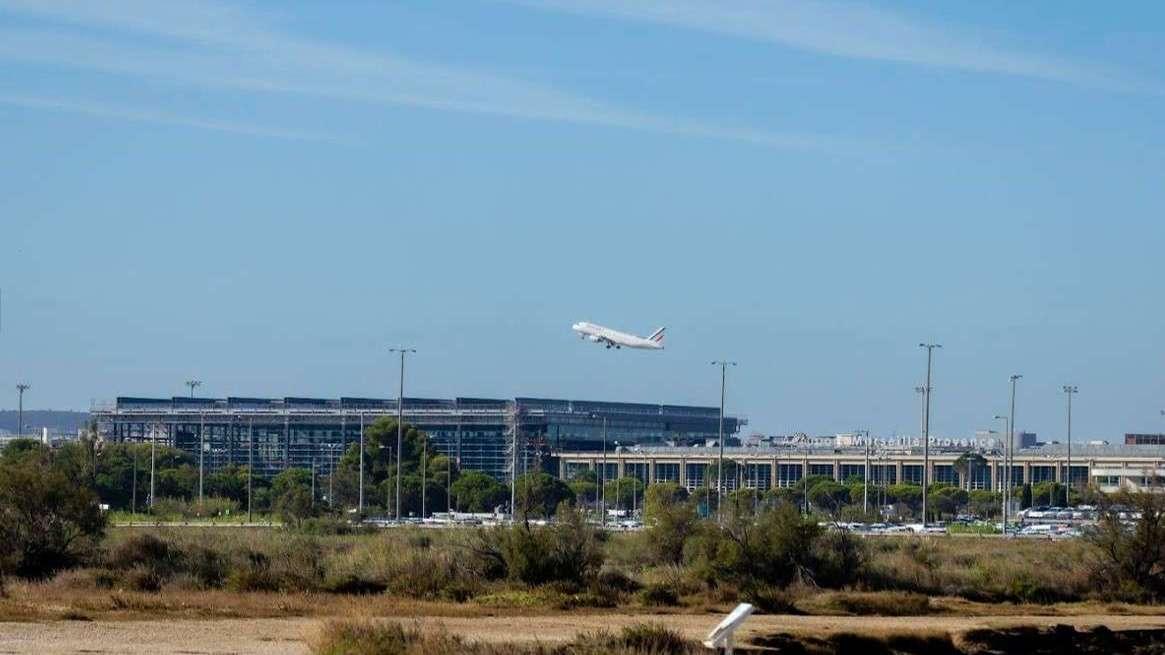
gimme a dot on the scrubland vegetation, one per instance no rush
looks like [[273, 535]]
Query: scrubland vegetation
[[56, 549]]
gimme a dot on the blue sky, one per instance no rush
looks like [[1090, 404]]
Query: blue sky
[[267, 195]]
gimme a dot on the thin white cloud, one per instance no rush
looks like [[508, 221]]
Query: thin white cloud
[[852, 31], [216, 46], [122, 112]]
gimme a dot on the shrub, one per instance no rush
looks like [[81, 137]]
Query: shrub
[[671, 522], [774, 550], [567, 551], [146, 551], [661, 594], [47, 522], [1132, 556], [881, 603]]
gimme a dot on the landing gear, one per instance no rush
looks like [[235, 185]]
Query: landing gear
[[608, 346]]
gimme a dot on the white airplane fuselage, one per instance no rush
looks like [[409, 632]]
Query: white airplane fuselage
[[616, 339]]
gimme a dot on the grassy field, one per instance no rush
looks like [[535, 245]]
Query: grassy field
[[250, 572]]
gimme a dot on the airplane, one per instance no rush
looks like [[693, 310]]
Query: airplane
[[614, 338]]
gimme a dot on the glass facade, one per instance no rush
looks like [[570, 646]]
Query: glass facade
[[479, 433], [912, 473], [758, 476], [945, 474], [788, 474], [667, 472], [821, 469]]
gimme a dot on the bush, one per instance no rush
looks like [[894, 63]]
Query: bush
[[660, 594], [776, 549], [47, 522], [880, 603], [1132, 556], [671, 521], [567, 551]]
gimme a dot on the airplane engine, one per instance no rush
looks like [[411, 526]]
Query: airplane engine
[[593, 339]]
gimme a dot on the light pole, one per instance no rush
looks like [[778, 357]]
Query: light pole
[[201, 453], [603, 484], [866, 476], [360, 484], [424, 471], [193, 384], [1069, 391], [20, 389], [1011, 444], [618, 480], [250, 462], [926, 424], [921, 391], [1002, 475], [153, 459], [720, 457], [134, 492], [400, 418]]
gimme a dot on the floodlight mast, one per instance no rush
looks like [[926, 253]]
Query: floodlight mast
[[20, 389], [926, 425], [1069, 391], [1002, 474], [400, 417], [720, 458]]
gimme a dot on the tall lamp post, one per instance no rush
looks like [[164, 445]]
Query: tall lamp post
[[194, 384], [1011, 445], [400, 418], [603, 480], [926, 425], [866, 475], [1069, 391], [1002, 473], [20, 389], [720, 457]]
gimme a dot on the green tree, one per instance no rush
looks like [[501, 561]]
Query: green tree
[[539, 494], [828, 495], [1047, 493], [946, 501], [228, 482], [1131, 557], [671, 520], [47, 522], [585, 486], [380, 458], [906, 494], [24, 448], [477, 492], [623, 492], [291, 495], [984, 503], [966, 464]]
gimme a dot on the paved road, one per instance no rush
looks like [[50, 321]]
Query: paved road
[[292, 635]]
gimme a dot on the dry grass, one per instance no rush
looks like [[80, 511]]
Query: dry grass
[[366, 637]]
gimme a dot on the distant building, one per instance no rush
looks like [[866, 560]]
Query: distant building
[[1144, 439], [480, 433]]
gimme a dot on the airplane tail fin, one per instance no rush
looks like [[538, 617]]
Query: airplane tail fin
[[657, 336]]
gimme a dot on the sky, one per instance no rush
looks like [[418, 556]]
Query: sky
[[267, 196]]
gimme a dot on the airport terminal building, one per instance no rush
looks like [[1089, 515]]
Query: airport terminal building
[[481, 433], [1108, 468]]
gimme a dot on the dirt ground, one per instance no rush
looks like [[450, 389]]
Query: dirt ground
[[292, 635]]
